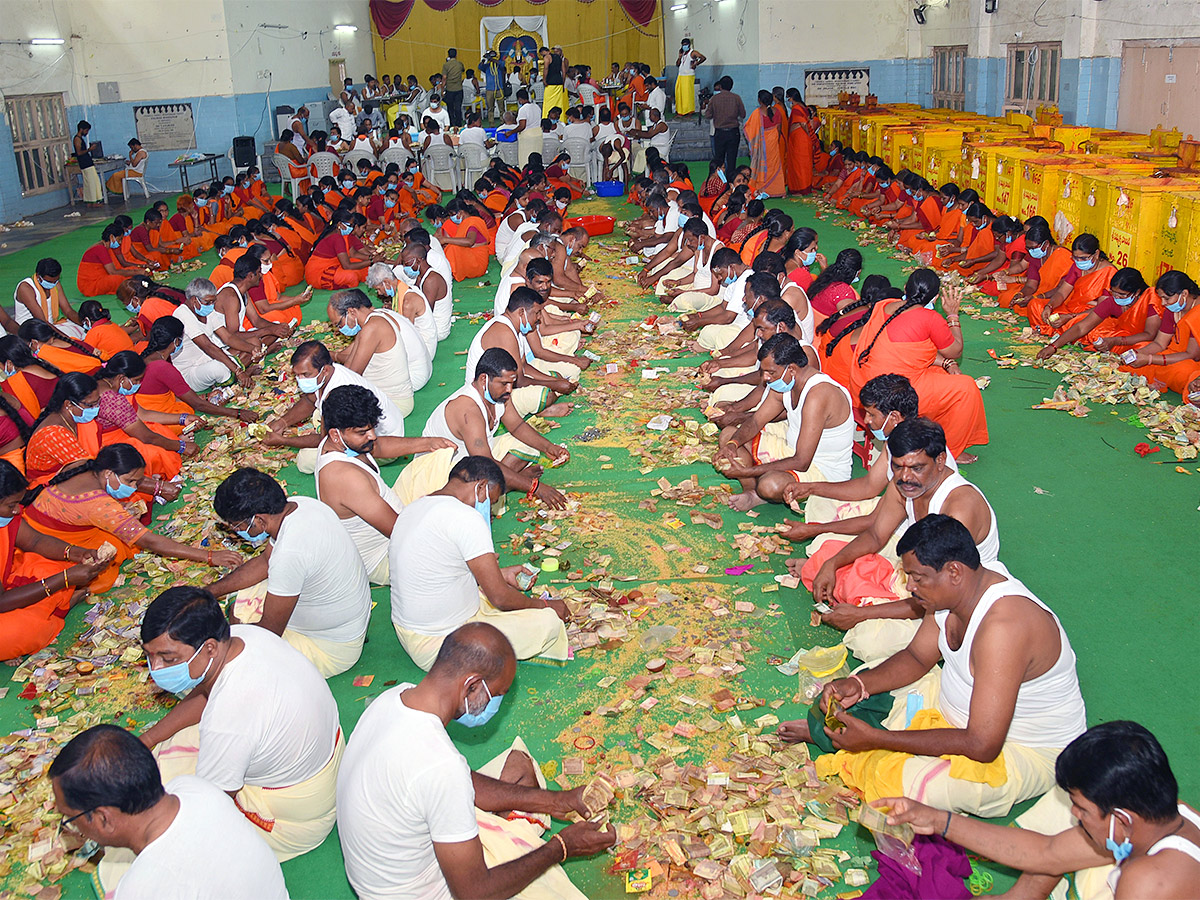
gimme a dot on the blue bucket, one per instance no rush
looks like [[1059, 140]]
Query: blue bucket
[[610, 188]]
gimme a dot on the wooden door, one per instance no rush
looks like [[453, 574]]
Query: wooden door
[[1158, 87]]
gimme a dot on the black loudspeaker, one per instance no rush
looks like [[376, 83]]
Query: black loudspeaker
[[244, 152]]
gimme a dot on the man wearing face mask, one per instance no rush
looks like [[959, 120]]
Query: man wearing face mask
[[470, 418], [309, 585], [387, 349], [736, 385], [316, 375], [443, 545], [923, 482], [730, 274], [257, 719], [540, 380], [428, 270], [42, 297], [108, 789], [1116, 801], [1005, 702], [347, 473], [816, 443], [414, 819]]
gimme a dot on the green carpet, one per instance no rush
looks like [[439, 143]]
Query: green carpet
[[1103, 509]]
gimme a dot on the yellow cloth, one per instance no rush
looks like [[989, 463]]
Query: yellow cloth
[[300, 816], [553, 95], [429, 472], [685, 94], [93, 190], [329, 657], [504, 840], [532, 633]]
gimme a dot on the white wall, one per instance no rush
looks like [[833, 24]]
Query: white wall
[[725, 31], [296, 56], [804, 31]]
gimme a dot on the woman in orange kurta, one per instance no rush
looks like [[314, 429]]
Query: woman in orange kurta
[[465, 241], [52, 346], [762, 130], [1095, 271], [86, 506], [34, 594], [332, 265], [108, 338], [799, 174], [1172, 359], [904, 338]]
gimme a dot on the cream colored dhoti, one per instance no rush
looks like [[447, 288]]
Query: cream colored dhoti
[[330, 657], [532, 633], [679, 273], [532, 399], [429, 472], [504, 840], [718, 337], [694, 302]]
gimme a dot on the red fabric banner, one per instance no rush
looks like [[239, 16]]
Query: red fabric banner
[[640, 12], [389, 16]]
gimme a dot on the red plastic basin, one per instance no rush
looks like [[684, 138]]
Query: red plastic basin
[[593, 225]]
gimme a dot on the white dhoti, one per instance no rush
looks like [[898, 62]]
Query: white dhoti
[[533, 633], [429, 472], [330, 657], [681, 274], [718, 337], [694, 302]]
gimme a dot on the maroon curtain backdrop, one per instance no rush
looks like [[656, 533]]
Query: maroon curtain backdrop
[[440, 5], [640, 12], [389, 16], [489, 2]]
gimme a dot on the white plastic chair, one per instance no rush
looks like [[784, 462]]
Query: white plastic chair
[[439, 161], [324, 163], [286, 178], [507, 151], [352, 159], [475, 162], [551, 145], [397, 155], [666, 153], [581, 158], [139, 178]]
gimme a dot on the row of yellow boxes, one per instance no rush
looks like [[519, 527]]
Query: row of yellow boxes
[[1081, 180]]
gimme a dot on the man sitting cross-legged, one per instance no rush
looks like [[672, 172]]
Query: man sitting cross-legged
[[443, 545], [922, 484], [415, 821], [348, 478], [1007, 699], [817, 426], [470, 418]]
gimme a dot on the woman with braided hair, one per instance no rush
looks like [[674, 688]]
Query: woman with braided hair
[[834, 287], [27, 380], [164, 389], [907, 337], [48, 343], [838, 335]]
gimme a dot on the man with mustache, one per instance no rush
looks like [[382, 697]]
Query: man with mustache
[[922, 484], [1007, 697]]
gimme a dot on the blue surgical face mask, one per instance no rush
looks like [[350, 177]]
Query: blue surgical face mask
[[809, 258], [487, 395], [1037, 252], [1119, 851], [856, 277], [781, 386], [1173, 307], [122, 491], [721, 175], [129, 391], [456, 218], [307, 385], [6, 374], [484, 506], [177, 679], [474, 720], [47, 285], [350, 330], [345, 229], [1083, 265], [178, 349], [1128, 301], [388, 204], [86, 414], [228, 189], [347, 184], [411, 272], [570, 251], [346, 448], [133, 309], [205, 309], [524, 324], [683, 217], [202, 201], [5, 521], [878, 432], [254, 540], [389, 292], [114, 244]]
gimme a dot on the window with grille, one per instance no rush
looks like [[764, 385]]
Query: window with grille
[[1032, 76], [41, 141], [949, 77]]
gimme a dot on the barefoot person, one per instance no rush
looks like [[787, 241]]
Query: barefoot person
[[817, 425], [1117, 802], [415, 821], [1008, 697]]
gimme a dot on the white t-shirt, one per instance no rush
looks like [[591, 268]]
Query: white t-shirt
[[440, 115], [531, 115], [433, 540], [402, 785], [314, 558], [344, 120], [209, 850], [474, 135], [578, 131], [270, 719], [657, 99], [391, 423]]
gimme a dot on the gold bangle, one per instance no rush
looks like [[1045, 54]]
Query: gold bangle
[[558, 837], [42, 582]]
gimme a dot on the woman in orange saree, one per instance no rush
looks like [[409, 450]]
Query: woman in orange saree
[[465, 241], [83, 506], [1095, 272], [949, 225], [29, 382], [267, 296], [164, 389], [981, 248], [799, 175], [67, 430], [1051, 269], [51, 345], [1127, 315], [902, 337], [107, 337], [332, 264], [1172, 359], [762, 130], [237, 239]]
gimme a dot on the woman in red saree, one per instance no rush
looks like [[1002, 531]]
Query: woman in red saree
[[799, 256], [799, 147], [1095, 270], [834, 287], [333, 265], [1127, 315], [902, 337], [762, 130]]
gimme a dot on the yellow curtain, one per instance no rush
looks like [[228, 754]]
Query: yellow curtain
[[594, 33]]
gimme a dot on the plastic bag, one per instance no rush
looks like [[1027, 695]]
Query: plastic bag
[[893, 841]]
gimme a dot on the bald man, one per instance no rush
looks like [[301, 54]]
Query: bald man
[[415, 821]]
